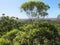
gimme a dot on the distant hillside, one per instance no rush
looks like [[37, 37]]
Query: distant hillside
[[40, 19]]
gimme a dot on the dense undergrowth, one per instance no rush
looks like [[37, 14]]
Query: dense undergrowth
[[16, 32]]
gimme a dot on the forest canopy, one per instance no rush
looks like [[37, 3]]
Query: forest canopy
[[14, 31]]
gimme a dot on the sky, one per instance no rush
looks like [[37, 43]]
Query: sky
[[12, 8]]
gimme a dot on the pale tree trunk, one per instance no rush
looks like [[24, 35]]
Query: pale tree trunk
[[38, 17]]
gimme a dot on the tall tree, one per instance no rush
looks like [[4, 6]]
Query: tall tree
[[35, 9], [58, 17], [59, 5]]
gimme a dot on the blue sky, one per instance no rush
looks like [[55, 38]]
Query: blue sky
[[11, 8]]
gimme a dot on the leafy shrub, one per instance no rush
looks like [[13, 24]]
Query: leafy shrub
[[8, 23], [4, 41], [10, 35], [37, 33]]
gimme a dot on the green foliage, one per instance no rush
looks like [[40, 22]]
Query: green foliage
[[28, 33], [10, 35], [8, 23], [41, 34], [33, 8], [59, 5], [4, 41]]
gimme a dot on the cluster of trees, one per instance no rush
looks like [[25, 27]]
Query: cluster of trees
[[15, 32], [7, 23], [36, 33]]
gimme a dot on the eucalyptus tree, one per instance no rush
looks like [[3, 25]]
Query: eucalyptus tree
[[58, 17], [59, 5], [35, 8]]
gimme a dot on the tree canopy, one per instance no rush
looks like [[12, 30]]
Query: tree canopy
[[33, 8], [13, 32], [59, 5]]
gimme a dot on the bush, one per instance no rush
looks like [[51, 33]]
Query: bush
[[11, 35], [4, 41], [37, 33]]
